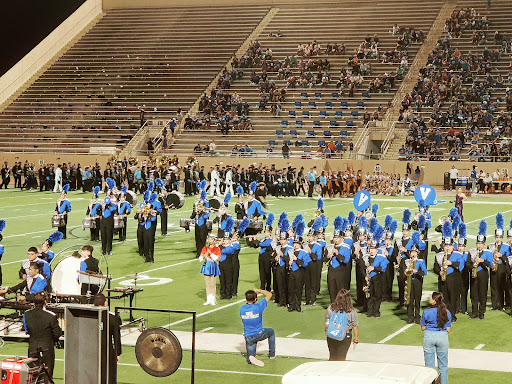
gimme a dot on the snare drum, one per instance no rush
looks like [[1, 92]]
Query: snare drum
[[186, 223], [58, 221], [89, 222], [118, 221]]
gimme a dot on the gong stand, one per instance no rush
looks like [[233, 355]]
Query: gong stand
[[158, 350]]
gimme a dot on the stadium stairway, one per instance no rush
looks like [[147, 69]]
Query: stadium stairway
[[346, 23], [153, 59]]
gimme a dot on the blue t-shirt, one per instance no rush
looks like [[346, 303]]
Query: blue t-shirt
[[252, 317], [429, 320]]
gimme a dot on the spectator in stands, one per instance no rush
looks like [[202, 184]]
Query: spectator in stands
[[286, 150], [454, 173], [150, 146]]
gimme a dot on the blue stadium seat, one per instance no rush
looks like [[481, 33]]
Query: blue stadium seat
[[287, 142], [291, 114], [279, 133], [304, 95], [272, 143], [343, 133], [333, 123], [293, 133], [328, 104], [349, 123], [327, 134], [334, 95], [298, 123], [344, 104], [323, 114], [298, 104], [366, 95], [354, 113], [321, 143], [318, 95], [312, 104], [305, 143], [310, 134], [361, 105], [305, 114], [316, 124], [338, 114], [284, 123]]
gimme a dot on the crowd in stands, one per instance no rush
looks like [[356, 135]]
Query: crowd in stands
[[465, 19]]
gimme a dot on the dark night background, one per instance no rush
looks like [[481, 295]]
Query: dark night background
[[25, 23]]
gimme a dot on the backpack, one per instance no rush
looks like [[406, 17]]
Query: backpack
[[338, 326]]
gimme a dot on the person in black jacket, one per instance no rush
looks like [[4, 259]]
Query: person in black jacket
[[44, 331], [114, 338], [89, 264]]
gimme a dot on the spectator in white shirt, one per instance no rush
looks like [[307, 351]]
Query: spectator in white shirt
[[454, 172]]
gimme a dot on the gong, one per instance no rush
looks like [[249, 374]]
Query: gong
[[158, 352]]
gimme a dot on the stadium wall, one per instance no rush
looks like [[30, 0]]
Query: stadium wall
[[33, 61], [432, 172]]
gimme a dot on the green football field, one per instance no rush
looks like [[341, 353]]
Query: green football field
[[174, 282]]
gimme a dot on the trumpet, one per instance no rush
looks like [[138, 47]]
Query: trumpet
[[443, 219]]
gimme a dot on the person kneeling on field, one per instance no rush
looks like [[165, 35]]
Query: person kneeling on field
[[252, 318]]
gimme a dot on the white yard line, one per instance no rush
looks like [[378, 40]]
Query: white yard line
[[293, 334], [403, 329], [479, 346], [206, 330]]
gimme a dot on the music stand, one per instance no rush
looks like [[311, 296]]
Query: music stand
[[91, 278]]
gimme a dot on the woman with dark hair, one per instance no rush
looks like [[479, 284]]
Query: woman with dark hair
[[436, 323], [340, 320]]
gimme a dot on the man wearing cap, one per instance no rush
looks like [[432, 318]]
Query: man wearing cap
[[447, 266], [93, 210], [265, 257], [479, 262], [377, 264], [359, 250], [124, 210], [464, 274], [389, 275], [418, 270], [298, 261], [499, 269], [226, 266], [108, 209]]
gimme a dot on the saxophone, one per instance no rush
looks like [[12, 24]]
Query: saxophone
[[366, 287], [444, 267], [475, 265], [495, 259]]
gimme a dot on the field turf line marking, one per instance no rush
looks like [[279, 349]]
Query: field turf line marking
[[206, 330], [205, 313], [403, 329], [158, 269], [294, 334], [479, 346]]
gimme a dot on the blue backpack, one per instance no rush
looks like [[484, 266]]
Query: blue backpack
[[338, 326]]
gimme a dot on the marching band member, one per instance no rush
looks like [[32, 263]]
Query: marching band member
[[226, 261], [402, 254], [253, 208], [223, 216], [108, 209], [235, 243], [282, 260], [89, 264], [298, 260], [500, 252], [338, 257], [464, 270], [144, 218], [348, 241], [2, 248], [229, 181], [33, 256], [215, 182], [27, 289], [240, 206], [319, 211], [93, 210], [415, 270], [479, 262], [509, 274], [447, 266], [201, 215], [162, 199], [390, 252], [312, 281], [156, 209], [63, 207], [124, 210], [321, 240], [377, 264], [210, 269], [266, 254], [359, 249], [46, 253]]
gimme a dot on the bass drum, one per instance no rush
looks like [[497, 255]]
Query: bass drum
[[175, 200], [131, 198], [215, 203], [65, 268]]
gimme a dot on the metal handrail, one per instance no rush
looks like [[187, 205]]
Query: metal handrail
[[135, 141], [388, 139], [359, 141]]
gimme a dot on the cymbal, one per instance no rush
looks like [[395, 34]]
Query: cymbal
[[134, 277], [158, 352]]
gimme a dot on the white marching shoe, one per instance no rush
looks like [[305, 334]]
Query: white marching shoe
[[214, 300], [208, 300]]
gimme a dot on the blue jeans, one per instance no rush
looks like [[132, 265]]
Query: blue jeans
[[436, 342], [252, 341]]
